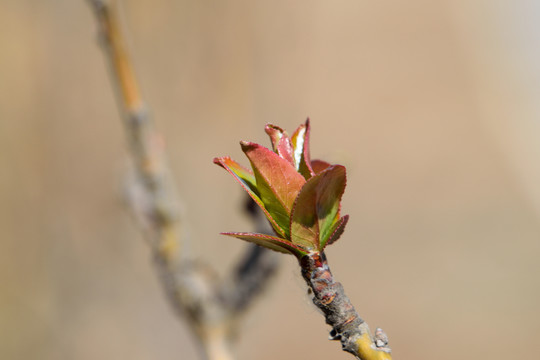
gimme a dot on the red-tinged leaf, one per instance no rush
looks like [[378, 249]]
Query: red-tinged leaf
[[270, 242], [319, 165], [300, 143], [247, 180], [285, 150], [281, 143], [304, 223], [278, 182], [275, 133], [332, 187], [316, 209], [244, 175], [335, 232], [297, 140]]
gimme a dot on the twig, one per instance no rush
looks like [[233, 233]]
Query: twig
[[211, 306], [347, 326]]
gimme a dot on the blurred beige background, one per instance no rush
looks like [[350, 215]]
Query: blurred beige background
[[432, 105]]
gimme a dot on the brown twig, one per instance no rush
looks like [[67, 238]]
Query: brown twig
[[211, 306], [347, 326]]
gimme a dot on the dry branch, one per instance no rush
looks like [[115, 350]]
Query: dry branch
[[211, 306]]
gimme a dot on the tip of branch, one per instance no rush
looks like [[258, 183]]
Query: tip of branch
[[381, 339]]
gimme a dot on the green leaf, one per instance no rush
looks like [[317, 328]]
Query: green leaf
[[270, 242], [304, 235], [248, 182], [278, 183], [300, 144], [335, 232], [316, 208], [331, 189]]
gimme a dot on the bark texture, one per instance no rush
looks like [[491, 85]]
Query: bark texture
[[347, 326]]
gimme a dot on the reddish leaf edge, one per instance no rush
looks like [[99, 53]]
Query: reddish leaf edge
[[319, 242], [319, 165], [337, 231], [309, 185], [285, 150], [275, 133], [270, 242], [251, 181], [335, 169], [220, 161], [306, 155], [258, 154]]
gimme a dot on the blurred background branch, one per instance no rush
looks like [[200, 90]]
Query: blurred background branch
[[211, 305]]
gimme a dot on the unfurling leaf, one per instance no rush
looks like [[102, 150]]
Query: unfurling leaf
[[300, 198], [271, 242], [317, 207], [248, 182], [277, 181]]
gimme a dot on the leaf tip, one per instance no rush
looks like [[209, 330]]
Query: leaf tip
[[271, 129], [218, 161], [248, 145]]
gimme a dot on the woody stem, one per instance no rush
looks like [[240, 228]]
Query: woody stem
[[347, 326]]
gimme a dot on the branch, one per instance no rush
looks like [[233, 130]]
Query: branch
[[302, 199], [212, 307], [347, 326]]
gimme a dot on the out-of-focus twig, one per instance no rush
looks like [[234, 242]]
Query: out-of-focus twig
[[212, 306], [252, 272]]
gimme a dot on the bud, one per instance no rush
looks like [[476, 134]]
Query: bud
[[300, 198]]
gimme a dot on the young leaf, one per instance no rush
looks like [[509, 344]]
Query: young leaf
[[280, 142], [300, 144], [335, 232], [243, 175], [285, 150], [331, 189], [304, 235], [319, 165], [270, 242], [275, 133], [278, 182], [248, 182], [316, 209], [304, 224]]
